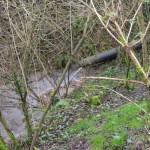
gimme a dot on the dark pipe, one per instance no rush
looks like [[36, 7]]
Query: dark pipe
[[102, 57], [107, 55]]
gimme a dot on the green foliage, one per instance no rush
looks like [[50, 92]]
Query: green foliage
[[55, 101], [130, 72], [121, 39], [91, 86], [96, 99], [118, 138], [111, 14], [61, 60], [146, 1], [9, 133], [112, 132], [79, 24], [35, 148], [109, 71], [131, 75], [62, 103], [90, 47], [84, 126], [2, 145], [77, 94], [18, 82]]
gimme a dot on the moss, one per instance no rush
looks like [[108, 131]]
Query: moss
[[97, 142], [96, 99], [85, 125], [77, 94], [112, 132], [118, 139], [92, 85], [2, 145], [10, 134]]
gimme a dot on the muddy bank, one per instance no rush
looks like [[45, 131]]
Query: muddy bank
[[42, 85]]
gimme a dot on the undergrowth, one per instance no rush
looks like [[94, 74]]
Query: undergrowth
[[112, 124], [109, 129]]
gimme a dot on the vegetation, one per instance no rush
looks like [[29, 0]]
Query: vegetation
[[2, 144], [53, 37], [10, 134], [112, 132]]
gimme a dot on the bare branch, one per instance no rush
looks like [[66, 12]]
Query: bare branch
[[59, 83], [100, 18], [126, 99], [114, 79], [147, 28], [132, 22]]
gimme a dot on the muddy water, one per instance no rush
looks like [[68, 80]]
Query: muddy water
[[41, 84]]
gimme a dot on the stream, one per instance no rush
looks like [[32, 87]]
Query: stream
[[10, 106]]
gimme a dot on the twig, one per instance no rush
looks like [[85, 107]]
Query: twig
[[147, 129], [126, 99], [132, 22], [114, 79], [58, 85], [17, 54], [100, 18], [147, 28]]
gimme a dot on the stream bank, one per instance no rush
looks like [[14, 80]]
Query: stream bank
[[42, 85]]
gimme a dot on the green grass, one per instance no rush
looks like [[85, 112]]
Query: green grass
[[103, 128], [91, 85], [90, 88], [107, 129], [112, 132]]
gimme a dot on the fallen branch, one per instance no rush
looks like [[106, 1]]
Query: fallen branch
[[126, 99], [114, 79]]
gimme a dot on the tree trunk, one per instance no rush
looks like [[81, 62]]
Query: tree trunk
[[141, 71]]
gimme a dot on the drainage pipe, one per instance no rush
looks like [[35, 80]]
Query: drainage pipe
[[108, 55]]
